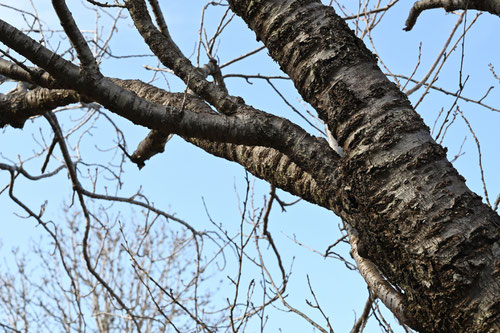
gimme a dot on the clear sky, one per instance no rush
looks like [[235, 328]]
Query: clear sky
[[179, 179]]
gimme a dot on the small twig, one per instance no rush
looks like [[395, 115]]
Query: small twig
[[243, 56], [280, 295], [100, 4], [479, 156], [293, 108], [497, 202], [267, 233], [363, 319], [341, 239], [49, 153], [438, 58], [446, 92], [317, 306], [373, 11]]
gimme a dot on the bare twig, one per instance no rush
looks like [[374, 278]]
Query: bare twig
[[491, 6]]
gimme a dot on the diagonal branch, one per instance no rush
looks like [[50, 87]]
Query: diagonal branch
[[170, 56], [35, 75], [76, 38]]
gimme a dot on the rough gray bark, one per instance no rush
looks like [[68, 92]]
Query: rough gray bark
[[17, 108], [426, 231]]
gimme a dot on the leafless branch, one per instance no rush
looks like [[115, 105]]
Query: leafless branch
[[491, 6]]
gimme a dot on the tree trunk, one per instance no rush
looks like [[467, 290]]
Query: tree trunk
[[432, 238]]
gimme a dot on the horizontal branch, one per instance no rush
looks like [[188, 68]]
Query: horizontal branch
[[248, 126], [265, 163], [35, 75], [18, 106], [490, 6]]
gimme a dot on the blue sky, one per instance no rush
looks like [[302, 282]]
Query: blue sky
[[179, 179]]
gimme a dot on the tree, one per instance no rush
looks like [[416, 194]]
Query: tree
[[65, 294], [426, 244]]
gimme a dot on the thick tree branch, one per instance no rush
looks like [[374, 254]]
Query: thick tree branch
[[35, 75], [265, 163], [249, 126], [272, 166], [76, 38], [17, 107], [162, 24], [490, 6]]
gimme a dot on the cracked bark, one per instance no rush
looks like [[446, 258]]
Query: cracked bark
[[265, 163], [418, 222], [17, 107]]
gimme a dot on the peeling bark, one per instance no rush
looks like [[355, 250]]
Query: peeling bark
[[265, 163], [17, 107], [418, 222]]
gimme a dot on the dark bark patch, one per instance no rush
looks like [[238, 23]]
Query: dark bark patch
[[344, 101], [427, 154]]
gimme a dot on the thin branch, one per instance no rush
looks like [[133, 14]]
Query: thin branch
[[243, 56], [455, 94], [317, 306], [491, 6], [486, 197], [369, 12], [77, 187], [363, 319], [438, 58]]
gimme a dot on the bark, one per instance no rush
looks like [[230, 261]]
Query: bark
[[246, 125], [432, 237], [266, 163], [17, 107], [428, 234]]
